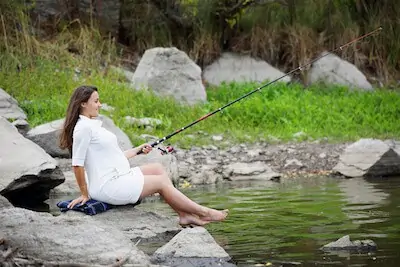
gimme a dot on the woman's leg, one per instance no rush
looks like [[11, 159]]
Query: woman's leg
[[157, 180]]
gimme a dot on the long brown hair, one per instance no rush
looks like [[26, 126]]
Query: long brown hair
[[80, 95]]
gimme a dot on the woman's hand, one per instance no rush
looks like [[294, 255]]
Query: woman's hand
[[80, 200], [145, 148]]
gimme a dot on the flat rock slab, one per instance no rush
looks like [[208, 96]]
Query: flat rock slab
[[192, 246], [135, 223], [68, 240]]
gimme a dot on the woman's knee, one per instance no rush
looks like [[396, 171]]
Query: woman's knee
[[153, 169]]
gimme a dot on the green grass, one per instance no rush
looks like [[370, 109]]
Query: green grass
[[280, 110]]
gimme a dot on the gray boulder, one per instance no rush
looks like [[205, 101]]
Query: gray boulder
[[9, 108], [369, 157], [232, 67], [192, 247], [76, 240], [170, 72], [27, 172], [47, 136], [332, 69]]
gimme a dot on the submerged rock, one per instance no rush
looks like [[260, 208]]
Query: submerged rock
[[344, 243]]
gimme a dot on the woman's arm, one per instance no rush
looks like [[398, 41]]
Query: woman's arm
[[133, 151], [80, 179]]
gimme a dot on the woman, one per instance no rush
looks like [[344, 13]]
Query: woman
[[109, 177]]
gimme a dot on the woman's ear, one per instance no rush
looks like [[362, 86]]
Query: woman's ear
[[83, 104]]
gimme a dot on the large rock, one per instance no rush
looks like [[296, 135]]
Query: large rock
[[27, 172], [47, 136], [369, 157], [333, 69], [135, 223], [231, 67], [9, 108], [170, 72], [192, 247], [80, 239]]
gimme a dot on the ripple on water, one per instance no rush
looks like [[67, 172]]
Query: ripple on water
[[290, 222]]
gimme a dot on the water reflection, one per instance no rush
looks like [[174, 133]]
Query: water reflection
[[274, 223]]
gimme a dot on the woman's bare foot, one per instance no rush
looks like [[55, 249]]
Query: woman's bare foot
[[188, 219], [215, 215]]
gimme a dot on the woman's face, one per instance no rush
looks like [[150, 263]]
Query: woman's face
[[92, 106]]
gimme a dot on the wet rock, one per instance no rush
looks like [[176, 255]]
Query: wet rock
[[344, 243], [369, 157], [27, 172], [191, 247]]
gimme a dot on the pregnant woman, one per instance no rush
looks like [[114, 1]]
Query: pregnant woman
[[102, 169]]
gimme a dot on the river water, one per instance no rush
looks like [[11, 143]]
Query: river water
[[285, 224]]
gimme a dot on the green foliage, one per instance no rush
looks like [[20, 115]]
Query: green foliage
[[279, 110]]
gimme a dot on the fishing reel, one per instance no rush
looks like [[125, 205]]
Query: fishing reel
[[167, 150]]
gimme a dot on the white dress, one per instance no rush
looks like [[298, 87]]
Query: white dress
[[108, 173]]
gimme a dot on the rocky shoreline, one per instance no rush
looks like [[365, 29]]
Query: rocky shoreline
[[33, 168]]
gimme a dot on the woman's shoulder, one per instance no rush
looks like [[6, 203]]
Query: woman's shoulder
[[81, 126]]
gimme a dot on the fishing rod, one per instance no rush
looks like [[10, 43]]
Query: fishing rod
[[170, 149]]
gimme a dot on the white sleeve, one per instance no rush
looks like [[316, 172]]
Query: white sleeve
[[81, 140]]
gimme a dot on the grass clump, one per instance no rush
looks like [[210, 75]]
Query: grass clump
[[279, 110]]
